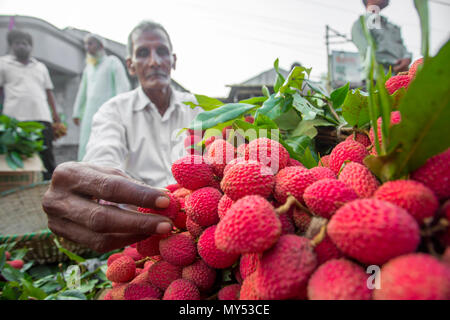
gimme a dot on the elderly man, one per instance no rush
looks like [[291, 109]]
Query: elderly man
[[28, 91], [103, 78], [391, 51], [130, 137]]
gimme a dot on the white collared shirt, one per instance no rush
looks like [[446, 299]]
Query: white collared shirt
[[25, 88], [129, 133]]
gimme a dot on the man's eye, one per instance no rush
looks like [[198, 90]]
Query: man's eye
[[142, 53], [163, 51]]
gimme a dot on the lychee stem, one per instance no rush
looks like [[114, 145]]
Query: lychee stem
[[320, 236], [442, 225], [291, 200], [144, 260]]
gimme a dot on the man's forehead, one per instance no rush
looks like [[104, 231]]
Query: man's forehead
[[156, 36]]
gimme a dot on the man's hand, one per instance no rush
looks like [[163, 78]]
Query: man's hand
[[402, 65], [76, 121], [73, 212]]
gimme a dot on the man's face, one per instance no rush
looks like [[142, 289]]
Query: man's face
[[91, 46], [21, 49], [152, 59]]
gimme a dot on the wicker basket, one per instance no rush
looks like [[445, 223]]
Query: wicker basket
[[22, 220]]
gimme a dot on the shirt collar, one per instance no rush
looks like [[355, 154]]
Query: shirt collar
[[144, 101], [12, 59]]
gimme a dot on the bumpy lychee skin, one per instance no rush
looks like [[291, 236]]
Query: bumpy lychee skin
[[202, 204], [396, 118], [339, 279], [178, 249], [293, 181], [250, 226], [361, 138], [287, 224], [182, 289], [193, 172], [347, 151], [373, 231], [301, 219], [360, 179], [162, 273], [213, 256], [324, 161], [202, 275], [294, 163], [230, 292], [248, 178], [233, 162], [248, 264], [325, 196], [413, 69], [150, 246], [397, 82], [190, 144], [141, 291], [220, 153], [122, 269], [413, 196], [171, 211], [435, 174], [284, 270], [194, 229], [16, 264], [248, 289], [269, 152], [415, 276], [323, 173], [173, 187], [326, 250], [133, 253], [242, 150], [224, 204], [180, 220], [113, 257]]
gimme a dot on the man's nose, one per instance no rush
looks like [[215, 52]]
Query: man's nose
[[154, 59]]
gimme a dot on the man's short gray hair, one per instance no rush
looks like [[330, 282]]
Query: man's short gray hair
[[146, 25]]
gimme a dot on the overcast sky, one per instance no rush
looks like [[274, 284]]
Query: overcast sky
[[227, 42]]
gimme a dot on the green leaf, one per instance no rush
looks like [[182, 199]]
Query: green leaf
[[272, 107], [71, 295], [11, 291], [308, 127], [338, 96], [422, 9], [317, 88], [32, 291], [18, 254], [209, 119], [299, 144], [11, 274], [307, 110], [205, 102], [294, 79], [355, 108], [254, 100], [265, 91], [308, 159], [288, 120], [72, 256], [89, 286]]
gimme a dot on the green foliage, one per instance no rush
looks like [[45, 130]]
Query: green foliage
[[49, 282], [19, 140]]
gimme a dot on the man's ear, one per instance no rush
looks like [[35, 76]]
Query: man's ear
[[130, 67], [174, 64]]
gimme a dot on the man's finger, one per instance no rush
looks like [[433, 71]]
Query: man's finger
[[110, 219], [99, 242], [91, 181]]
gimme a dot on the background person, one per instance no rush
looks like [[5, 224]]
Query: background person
[[103, 78], [28, 91], [391, 51]]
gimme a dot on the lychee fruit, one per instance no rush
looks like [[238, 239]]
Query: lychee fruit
[[294, 163], [213, 256], [201, 206], [178, 249], [360, 179], [324, 161], [413, 196], [347, 151], [193, 172], [301, 219], [326, 250], [373, 231], [325, 196], [269, 152], [414, 67], [194, 229], [224, 204], [248, 289], [396, 118], [202, 275], [163, 273], [339, 279], [113, 257], [16, 264], [293, 181], [397, 82], [284, 270], [230, 292], [182, 289], [435, 174], [250, 226], [220, 152], [141, 291], [171, 211], [415, 276], [150, 246], [323, 173], [123, 269], [173, 187], [248, 264], [248, 178], [361, 138], [287, 224]]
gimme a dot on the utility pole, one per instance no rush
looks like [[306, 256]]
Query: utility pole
[[331, 33]]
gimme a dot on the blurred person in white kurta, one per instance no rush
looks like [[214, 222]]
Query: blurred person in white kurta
[[132, 135]]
